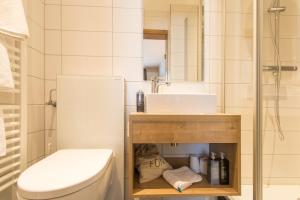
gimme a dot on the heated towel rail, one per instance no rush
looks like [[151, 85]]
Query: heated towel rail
[[11, 104]]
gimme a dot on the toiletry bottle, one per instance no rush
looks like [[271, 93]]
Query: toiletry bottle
[[224, 170], [214, 174], [140, 101], [203, 165], [195, 163]]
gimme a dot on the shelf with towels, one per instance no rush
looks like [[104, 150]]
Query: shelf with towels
[[222, 132], [159, 187]]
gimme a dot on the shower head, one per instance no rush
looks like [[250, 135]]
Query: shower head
[[276, 9]]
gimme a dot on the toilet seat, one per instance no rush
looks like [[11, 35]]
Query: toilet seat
[[63, 173]]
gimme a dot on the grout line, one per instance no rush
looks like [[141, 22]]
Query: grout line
[[33, 76], [36, 132], [112, 40], [37, 50], [35, 22]]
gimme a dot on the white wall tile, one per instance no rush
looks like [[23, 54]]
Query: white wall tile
[[238, 71], [36, 12], [52, 17], [53, 42], [56, 2], [216, 71], [35, 146], [35, 118], [81, 65], [91, 18], [106, 3], [128, 3], [86, 43], [216, 47], [130, 68], [245, 6], [282, 166], [36, 39], [289, 49], [35, 90], [247, 143], [239, 95], [238, 24], [289, 146], [127, 45], [52, 66], [122, 16], [216, 5], [246, 165], [216, 23], [239, 48], [217, 89], [35, 63], [289, 119]]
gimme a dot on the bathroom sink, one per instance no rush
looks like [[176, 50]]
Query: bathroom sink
[[181, 103]]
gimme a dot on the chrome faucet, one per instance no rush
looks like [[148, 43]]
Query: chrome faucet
[[156, 83]]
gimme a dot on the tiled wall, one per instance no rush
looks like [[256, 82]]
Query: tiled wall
[[238, 74], [104, 37], [36, 81]]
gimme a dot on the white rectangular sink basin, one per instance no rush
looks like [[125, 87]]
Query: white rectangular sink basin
[[181, 103]]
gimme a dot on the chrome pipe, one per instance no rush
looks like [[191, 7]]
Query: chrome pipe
[[274, 68], [277, 9], [258, 110]]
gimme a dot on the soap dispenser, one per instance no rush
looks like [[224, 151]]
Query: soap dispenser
[[214, 171], [140, 102], [224, 169]]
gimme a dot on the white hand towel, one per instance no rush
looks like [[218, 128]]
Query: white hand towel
[[181, 178], [6, 79], [12, 18], [2, 136]]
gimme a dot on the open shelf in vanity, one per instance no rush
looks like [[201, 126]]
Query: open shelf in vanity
[[221, 131]]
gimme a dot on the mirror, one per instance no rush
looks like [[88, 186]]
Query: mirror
[[173, 40]]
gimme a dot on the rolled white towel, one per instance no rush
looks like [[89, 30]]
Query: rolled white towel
[[181, 178], [6, 78]]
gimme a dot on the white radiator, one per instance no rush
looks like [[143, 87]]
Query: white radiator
[[11, 105]]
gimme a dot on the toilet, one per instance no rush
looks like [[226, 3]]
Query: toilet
[[89, 163], [72, 174]]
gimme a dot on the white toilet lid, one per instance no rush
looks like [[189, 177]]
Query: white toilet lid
[[64, 172]]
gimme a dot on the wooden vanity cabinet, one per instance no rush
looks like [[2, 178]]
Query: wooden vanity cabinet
[[221, 131]]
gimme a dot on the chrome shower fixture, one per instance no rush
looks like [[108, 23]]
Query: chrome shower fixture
[[276, 9]]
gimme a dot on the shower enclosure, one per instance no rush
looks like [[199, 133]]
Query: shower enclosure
[[277, 103]]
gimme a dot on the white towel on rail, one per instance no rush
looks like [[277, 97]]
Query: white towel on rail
[[6, 79], [181, 178], [12, 18], [2, 135]]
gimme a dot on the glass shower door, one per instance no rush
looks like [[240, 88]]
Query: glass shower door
[[280, 60]]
